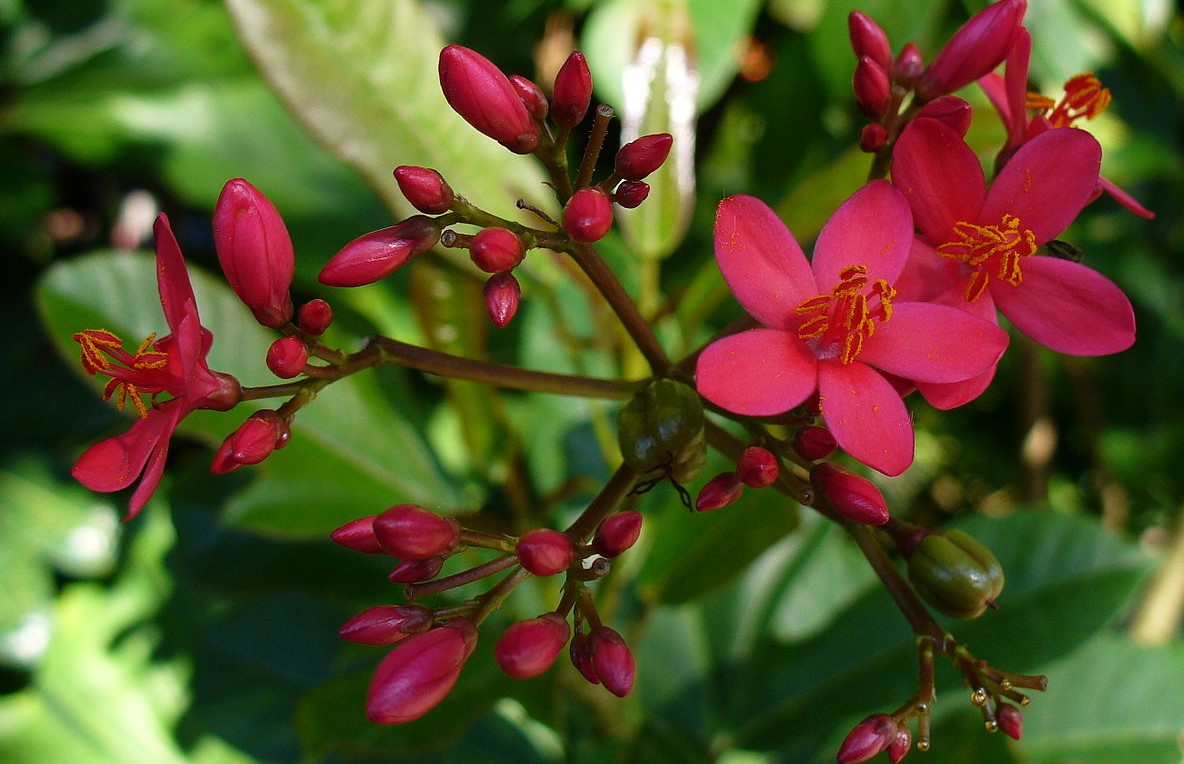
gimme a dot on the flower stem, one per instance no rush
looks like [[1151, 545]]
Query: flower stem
[[609, 498]]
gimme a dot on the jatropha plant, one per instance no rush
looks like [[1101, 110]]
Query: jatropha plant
[[900, 297]]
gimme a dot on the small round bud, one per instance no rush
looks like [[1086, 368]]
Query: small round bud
[[956, 574], [814, 443], [872, 137], [287, 357], [502, 295], [612, 661], [422, 669], [410, 532], [378, 254], [637, 159], [908, 66], [631, 193], [386, 624], [721, 491], [358, 535], [852, 496], [757, 467], [425, 188], [871, 736], [414, 571], [531, 95], [314, 317], [1010, 720], [572, 91], [529, 648], [496, 250], [588, 215], [545, 552], [617, 533]]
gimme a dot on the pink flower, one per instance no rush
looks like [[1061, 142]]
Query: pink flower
[[174, 364], [986, 240], [833, 324]]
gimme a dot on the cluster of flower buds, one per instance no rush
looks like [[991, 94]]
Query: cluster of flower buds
[[757, 467], [432, 644]]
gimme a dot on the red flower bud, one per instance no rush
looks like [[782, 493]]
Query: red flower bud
[[253, 441], [315, 316], [852, 496], [639, 158], [422, 669], [545, 552], [414, 571], [378, 254], [617, 533], [255, 251], [757, 467], [976, 48], [900, 745], [871, 736], [424, 188], [631, 193], [612, 661], [721, 491], [386, 624], [496, 250], [1010, 720], [580, 652], [287, 357], [909, 66], [872, 137], [358, 535], [502, 294], [528, 648], [410, 532], [873, 93], [531, 95], [479, 92], [814, 443], [588, 215], [951, 110], [868, 39], [572, 91]]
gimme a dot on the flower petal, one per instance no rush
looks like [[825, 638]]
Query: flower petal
[[866, 415], [759, 372], [946, 396], [874, 227], [940, 176], [1068, 307], [1046, 183], [926, 274], [761, 261], [934, 343], [1125, 199]]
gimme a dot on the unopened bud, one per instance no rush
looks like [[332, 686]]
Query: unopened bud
[[425, 188], [1010, 720], [287, 357], [909, 66], [631, 193], [873, 93], [976, 48], [869, 39], [255, 251], [871, 736], [721, 491], [502, 295], [414, 571], [496, 250], [612, 661], [253, 441], [358, 535], [410, 532], [529, 648], [588, 215], [480, 93], [637, 159], [572, 91], [545, 552], [422, 669], [951, 110], [757, 467], [872, 137], [852, 496], [314, 317], [900, 745], [617, 533], [814, 443], [580, 652], [532, 96], [378, 254], [956, 574], [386, 624]]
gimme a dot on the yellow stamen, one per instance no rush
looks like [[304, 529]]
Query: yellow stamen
[[977, 244], [849, 302]]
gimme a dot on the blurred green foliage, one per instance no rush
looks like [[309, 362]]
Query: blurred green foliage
[[204, 631]]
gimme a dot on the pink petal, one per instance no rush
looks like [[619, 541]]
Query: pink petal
[[1067, 307], [1125, 199], [926, 274], [761, 261], [934, 343], [759, 372], [172, 277], [866, 415], [940, 176], [954, 394], [874, 227], [1046, 183]]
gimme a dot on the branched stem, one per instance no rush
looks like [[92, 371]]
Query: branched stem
[[609, 498]]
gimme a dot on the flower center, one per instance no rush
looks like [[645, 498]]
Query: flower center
[[979, 246], [837, 324], [132, 375], [1085, 98]]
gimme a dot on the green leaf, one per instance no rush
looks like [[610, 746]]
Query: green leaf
[[361, 75]]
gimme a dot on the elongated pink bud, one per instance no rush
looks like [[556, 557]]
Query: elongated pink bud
[[637, 159], [617, 533], [479, 92], [410, 532], [529, 648], [424, 188], [253, 441], [900, 745], [757, 467], [612, 661], [572, 91], [502, 295], [976, 48], [873, 93], [631, 193], [420, 672], [580, 652], [496, 250], [414, 571], [721, 491], [386, 624], [871, 736], [314, 316], [814, 443], [287, 357], [951, 110], [532, 96], [255, 251], [588, 215], [545, 552], [909, 66], [869, 39], [380, 253], [1010, 720], [358, 535], [852, 496]]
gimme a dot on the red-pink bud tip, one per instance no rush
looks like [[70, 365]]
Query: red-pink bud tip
[[588, 215], [414, 571], [981, 44], [1010, 720], [480, 93], [869, 39], [639, 158], [502, 295], [631, 193], [386, 624], [871, 736], [612, 661], [908, 66], [900, 745], [757, 467], [814, 443], [378, 254], [545, 552], [255, 251], [425, 188], [496, 250], [950, 110], [580, 652], [531, 95], [253, 441], [721, 491], [529, 648], [572, 91], [287, 357], [852, 496], [873, 93], [410, 532], [314, 317], [358, 535], [419, 672], [617, 533], [872, 138]]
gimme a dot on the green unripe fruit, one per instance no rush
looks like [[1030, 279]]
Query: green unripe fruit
[[662, 428], [955, 574]]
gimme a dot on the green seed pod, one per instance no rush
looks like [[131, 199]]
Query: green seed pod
[[956, 574], [662, 428]]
